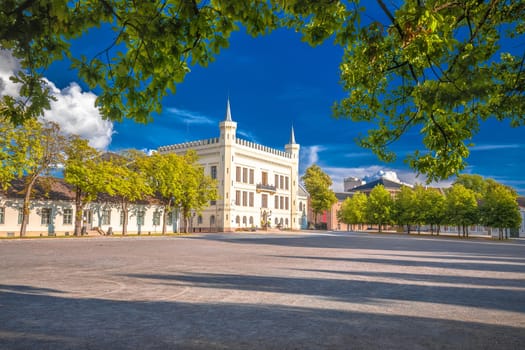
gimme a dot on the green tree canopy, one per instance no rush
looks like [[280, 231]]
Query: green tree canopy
[[127, 180], [431, 203], [318, 183], [82, 169], [499, 208], [461, 207], [406, 207], [379, 207], [438, 66], [197, 188], [352, 210]]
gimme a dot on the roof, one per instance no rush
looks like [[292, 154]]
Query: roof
[[228, 111], [341, 196], [55, 188], [389, 185]]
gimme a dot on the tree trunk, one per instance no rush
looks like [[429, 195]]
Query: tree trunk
[[79, 212], [164, 217], [25, 207], [125, 218]]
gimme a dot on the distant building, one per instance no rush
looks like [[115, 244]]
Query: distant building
[[258, 185], [351, 182]]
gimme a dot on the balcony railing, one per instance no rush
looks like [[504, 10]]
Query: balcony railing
[[265, 188]]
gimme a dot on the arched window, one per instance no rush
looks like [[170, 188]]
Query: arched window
[[237, 219], [251, 220], [300, 206], [212, 220], [276, 221], [199, 220], [286, 222], [244, 220]]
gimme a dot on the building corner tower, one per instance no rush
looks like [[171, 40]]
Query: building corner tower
[[228, 131], [293, 149]]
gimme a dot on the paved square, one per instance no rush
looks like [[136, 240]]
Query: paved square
[[262, 291]]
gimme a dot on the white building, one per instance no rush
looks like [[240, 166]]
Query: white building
[[258, 185], [52, 213]]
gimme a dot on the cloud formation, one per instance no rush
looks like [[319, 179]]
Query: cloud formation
[[74, 110], [190, 117]]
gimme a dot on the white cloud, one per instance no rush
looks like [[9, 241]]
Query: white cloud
[[8, 65], [247, 135], [494, 147], [190, 117], [74, 110], [310, 155]]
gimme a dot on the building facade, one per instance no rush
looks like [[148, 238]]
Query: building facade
[[258, 185], [52, 213]]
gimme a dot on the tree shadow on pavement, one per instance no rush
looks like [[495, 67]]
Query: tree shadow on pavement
[[39, 321], [352, 291]]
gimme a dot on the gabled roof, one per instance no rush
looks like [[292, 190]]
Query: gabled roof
[[55, 188], [382, 181]]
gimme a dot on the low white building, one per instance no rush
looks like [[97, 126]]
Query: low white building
[[52, 212]]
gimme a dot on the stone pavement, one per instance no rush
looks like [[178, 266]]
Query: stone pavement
[[262, 291]]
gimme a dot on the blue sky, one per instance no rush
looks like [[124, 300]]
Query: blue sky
[[273, 82]]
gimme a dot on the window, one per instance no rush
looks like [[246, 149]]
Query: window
[[45, 216], [251, 199], [281, 202], [251, 220], [286, 203], [245, 199], [20, 216], [170, 218], [264, 201], [140, 217], [281, 181], [286, 182], [213, 202], [237, 197], [244, 220], [156, 218], [300, 206], [286, 222], [238, 174], [121, 218], [276, 181], [251, 177], [2, 215], [238, 220], [264, 178], [199, 220], [213, 172], [106, 217], [212, 220], [245, 175], [276, 205], [68, 217]]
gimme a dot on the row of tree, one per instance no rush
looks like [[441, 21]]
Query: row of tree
[[34, 149], [471, 200]]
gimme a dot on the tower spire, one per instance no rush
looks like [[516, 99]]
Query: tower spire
[[228, 111], [292, 137]]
